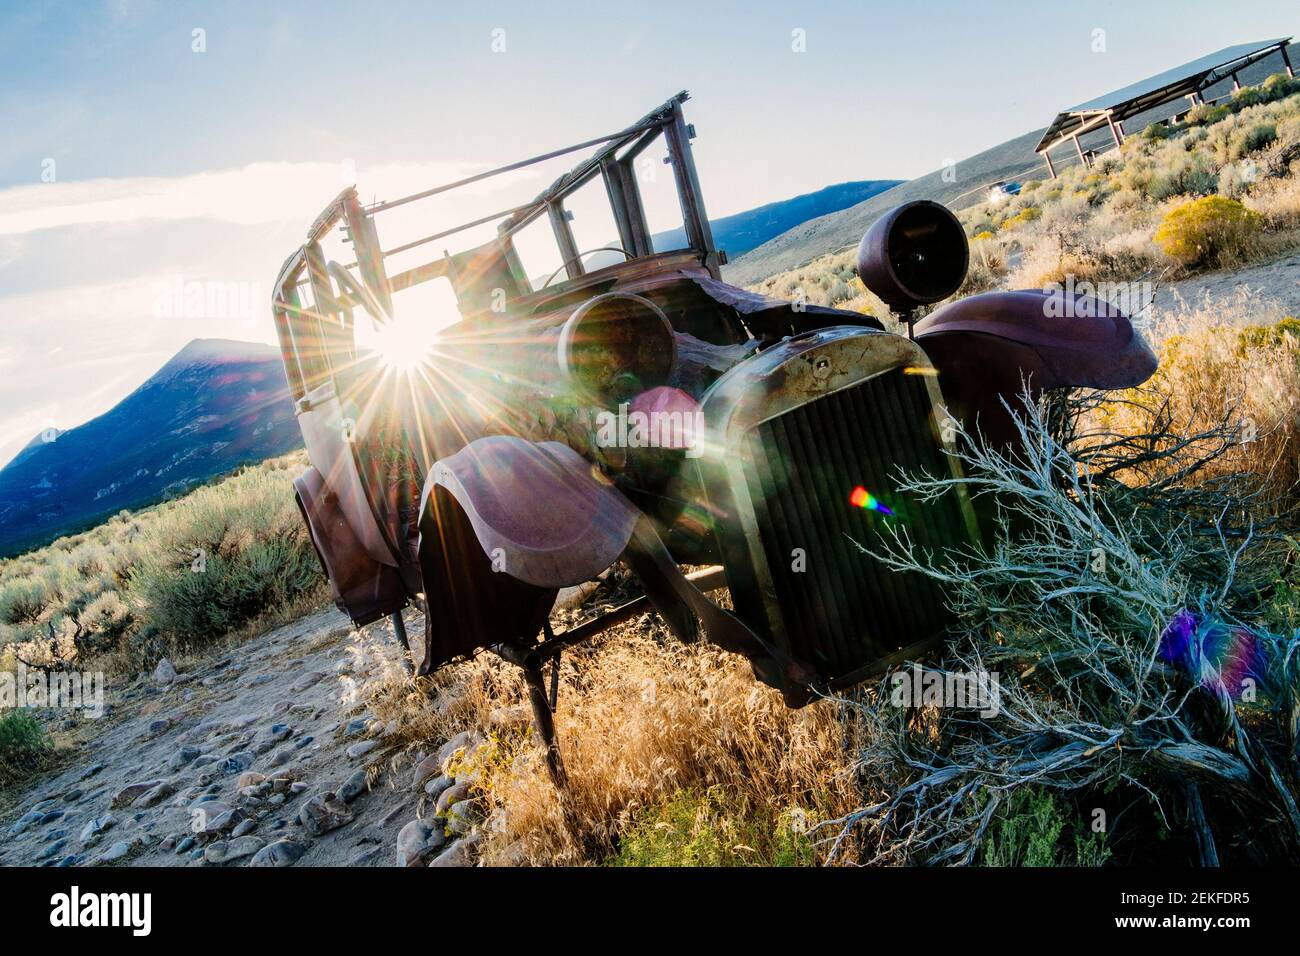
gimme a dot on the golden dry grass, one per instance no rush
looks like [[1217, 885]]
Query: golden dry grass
[[640, 718], [1213, 361]]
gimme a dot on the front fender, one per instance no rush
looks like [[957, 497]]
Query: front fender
[[988, 348], [505, 523], [539, 511], [1076, 340]]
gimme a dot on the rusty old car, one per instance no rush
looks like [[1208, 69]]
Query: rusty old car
[[476, 478]]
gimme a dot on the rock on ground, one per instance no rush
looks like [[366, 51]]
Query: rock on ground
[[279, 853], [417, 842]]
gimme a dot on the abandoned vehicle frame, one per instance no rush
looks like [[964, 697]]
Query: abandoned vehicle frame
[[477, 485]]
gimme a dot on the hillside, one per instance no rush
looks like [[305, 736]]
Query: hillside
[[837, 230], [215, 404], [963, 187]]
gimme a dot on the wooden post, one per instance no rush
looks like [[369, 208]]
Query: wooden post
[[1079, 149], [1050, 168], [1114, 132], [370, 255], [1236, 83], [1286, 60], [698, 231], [612, 173]]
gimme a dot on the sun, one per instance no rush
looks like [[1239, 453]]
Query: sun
[[404, 344]]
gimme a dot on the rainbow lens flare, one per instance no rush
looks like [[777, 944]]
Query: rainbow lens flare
[[861, 498], [1218, 655]]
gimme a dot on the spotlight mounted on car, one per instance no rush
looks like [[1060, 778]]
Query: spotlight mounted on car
[[914, 255]]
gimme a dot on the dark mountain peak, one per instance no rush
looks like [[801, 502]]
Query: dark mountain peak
[[215, 404]]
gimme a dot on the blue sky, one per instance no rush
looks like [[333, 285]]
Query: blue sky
[[174, 166]]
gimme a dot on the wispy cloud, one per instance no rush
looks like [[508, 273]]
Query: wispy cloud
[[249, 195]]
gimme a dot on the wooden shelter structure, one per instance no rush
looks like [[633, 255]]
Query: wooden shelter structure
[[1189, 80]]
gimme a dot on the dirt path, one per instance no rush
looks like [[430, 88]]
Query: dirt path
[[257, 757], [1271, 289]]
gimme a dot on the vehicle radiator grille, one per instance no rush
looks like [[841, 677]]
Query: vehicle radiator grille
[[846, 609]]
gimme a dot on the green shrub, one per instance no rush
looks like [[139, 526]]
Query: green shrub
[[1157, 131], [1031, 829], [1249, 96], [1203, 114], [231, 552], [23, 600], [1184, 174], [713, 828], [189, 603], [23, 746], [1254, 138], [1207, 231], [1280, 84]]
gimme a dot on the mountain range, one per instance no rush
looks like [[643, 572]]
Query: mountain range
[[216, 404], [738, 234]]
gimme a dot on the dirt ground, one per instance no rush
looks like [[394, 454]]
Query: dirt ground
[[175, 757], [1270, 290]]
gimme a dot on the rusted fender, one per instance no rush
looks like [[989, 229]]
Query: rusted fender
[[540, 512], [988, 348], [1079, 340], [505, 523]]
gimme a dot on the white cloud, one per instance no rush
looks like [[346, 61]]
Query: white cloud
[[249, 195]]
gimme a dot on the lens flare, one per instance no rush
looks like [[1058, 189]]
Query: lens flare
[[403, 344], [1217, 654], [861, 498]]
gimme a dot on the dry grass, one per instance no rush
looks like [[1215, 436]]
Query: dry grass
[[1211, 367], [641, 720]]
